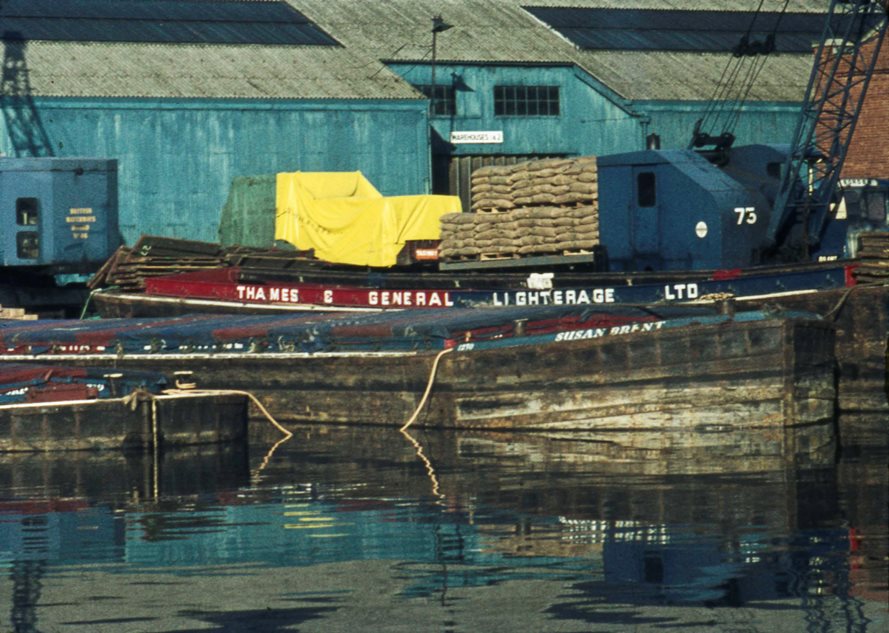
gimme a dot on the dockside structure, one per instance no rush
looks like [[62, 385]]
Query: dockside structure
[[335, 85]]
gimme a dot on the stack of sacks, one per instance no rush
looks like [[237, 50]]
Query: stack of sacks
[[458, 236], [518, 213], [548, 181], [557, 230]]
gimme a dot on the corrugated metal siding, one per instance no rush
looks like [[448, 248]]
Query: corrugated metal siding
[[176, 161], [588, 123], [592, 120], [758, 123]]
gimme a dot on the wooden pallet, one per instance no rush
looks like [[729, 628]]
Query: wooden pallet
[[461, 258], [495, 256]]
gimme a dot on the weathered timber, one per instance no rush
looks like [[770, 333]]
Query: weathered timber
[[135, 423], [861, 317], [700, 386]]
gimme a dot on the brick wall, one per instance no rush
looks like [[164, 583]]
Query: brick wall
[[868, 155]]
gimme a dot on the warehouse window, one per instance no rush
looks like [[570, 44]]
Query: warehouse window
[[526, 100], [645, 189], [26, 211], [443, 102]]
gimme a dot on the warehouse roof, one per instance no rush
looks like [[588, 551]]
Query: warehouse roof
[[169, 21], [92, 69], [484, 31], [500, 31], [679, 30]]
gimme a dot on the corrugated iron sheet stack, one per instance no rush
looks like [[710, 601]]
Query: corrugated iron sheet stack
[[540, 207], [152, 256], [873, 252]]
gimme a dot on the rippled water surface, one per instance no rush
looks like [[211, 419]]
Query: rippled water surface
[[371, 530]]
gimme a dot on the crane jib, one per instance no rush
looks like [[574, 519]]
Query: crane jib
[[843, 67]]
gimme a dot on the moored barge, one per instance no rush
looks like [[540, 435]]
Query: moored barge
[[67, 408], [673, 377]]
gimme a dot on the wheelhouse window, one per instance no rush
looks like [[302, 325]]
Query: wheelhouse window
[[26, 211], [526, 101], [442, 100], [646, 191]]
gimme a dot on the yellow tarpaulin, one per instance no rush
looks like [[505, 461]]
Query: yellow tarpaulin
[[345, 219]]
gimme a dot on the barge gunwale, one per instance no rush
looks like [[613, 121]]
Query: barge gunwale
[[226, 291]]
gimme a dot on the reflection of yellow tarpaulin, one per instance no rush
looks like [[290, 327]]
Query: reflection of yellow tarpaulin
[[345, 219]]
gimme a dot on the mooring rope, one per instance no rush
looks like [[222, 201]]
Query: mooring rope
[[155, 450], [834, 312], [430, 469], [428, 388], [268, 456]]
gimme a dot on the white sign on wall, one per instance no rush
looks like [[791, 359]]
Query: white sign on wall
[[495, 136]]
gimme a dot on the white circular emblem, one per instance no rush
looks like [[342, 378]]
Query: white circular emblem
[[701, 229]]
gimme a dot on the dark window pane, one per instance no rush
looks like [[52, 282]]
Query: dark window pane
[[526, 100], [26, 211], [646, 190], [443, 102]]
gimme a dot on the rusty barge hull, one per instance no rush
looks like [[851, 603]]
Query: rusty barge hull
[[860, 315], [764, 382], [137, 424]]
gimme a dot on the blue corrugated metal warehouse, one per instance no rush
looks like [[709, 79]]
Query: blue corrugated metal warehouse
[[189, 94]]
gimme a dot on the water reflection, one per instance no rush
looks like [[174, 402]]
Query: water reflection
[[345, 529]]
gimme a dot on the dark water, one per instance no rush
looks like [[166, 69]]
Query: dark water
[[369, 530]]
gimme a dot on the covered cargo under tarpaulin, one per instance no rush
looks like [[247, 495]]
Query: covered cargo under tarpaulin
[[344, 219], [248, 216]]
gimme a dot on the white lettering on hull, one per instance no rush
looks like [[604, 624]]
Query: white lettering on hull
[[678, 292], [599, 332], [573, 296], [268, 294], [409, 298]]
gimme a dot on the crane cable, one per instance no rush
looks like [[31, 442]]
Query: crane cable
[[757, 68], [729, 89], [724, 85]]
